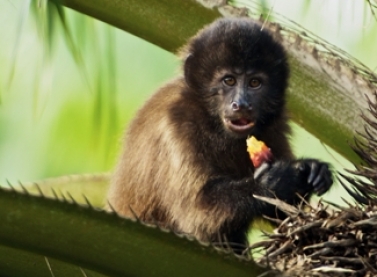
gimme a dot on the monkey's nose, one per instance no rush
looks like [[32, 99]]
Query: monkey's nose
[[235, 106], [238, 106]]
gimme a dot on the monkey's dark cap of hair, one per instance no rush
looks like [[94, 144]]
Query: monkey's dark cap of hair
[[235, 42]]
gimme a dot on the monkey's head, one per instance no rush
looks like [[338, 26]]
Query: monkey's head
[[240, 72]]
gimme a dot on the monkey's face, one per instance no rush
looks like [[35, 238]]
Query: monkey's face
[[243, 100], [240, 74]]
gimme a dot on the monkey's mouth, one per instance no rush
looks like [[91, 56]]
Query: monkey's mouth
[[239, 125]]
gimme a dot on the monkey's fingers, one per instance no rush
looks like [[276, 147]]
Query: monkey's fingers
[[323, 181], [314, 171]]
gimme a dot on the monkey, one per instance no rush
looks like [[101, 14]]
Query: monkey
[[184, 164]]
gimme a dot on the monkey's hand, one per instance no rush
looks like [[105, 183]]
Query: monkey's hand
[[286, 179], [316, 173], [304, 176]]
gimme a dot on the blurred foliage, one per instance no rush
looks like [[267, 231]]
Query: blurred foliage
[[80, 109]]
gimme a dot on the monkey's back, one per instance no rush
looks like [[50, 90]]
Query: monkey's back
[[156, 177]]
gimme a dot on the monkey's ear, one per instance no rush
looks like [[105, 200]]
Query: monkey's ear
[[189, 69]]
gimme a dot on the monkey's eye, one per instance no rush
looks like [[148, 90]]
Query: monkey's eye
[[255, 83], [229, 81]]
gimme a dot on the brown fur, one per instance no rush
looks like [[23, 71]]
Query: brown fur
[[159, 174]]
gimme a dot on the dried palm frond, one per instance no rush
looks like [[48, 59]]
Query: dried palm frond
[[364, 189]]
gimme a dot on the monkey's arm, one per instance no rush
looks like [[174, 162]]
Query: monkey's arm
[[283, 179]]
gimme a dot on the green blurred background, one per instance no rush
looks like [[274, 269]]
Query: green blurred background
[[67, 96]]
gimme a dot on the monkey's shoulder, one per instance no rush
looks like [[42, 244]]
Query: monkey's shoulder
[[172, 103], [160, 101], [163, 115]]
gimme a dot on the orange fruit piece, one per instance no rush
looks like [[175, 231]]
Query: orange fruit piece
[[258, 151]]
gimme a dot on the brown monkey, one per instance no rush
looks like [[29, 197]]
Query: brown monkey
[[184, 165]]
